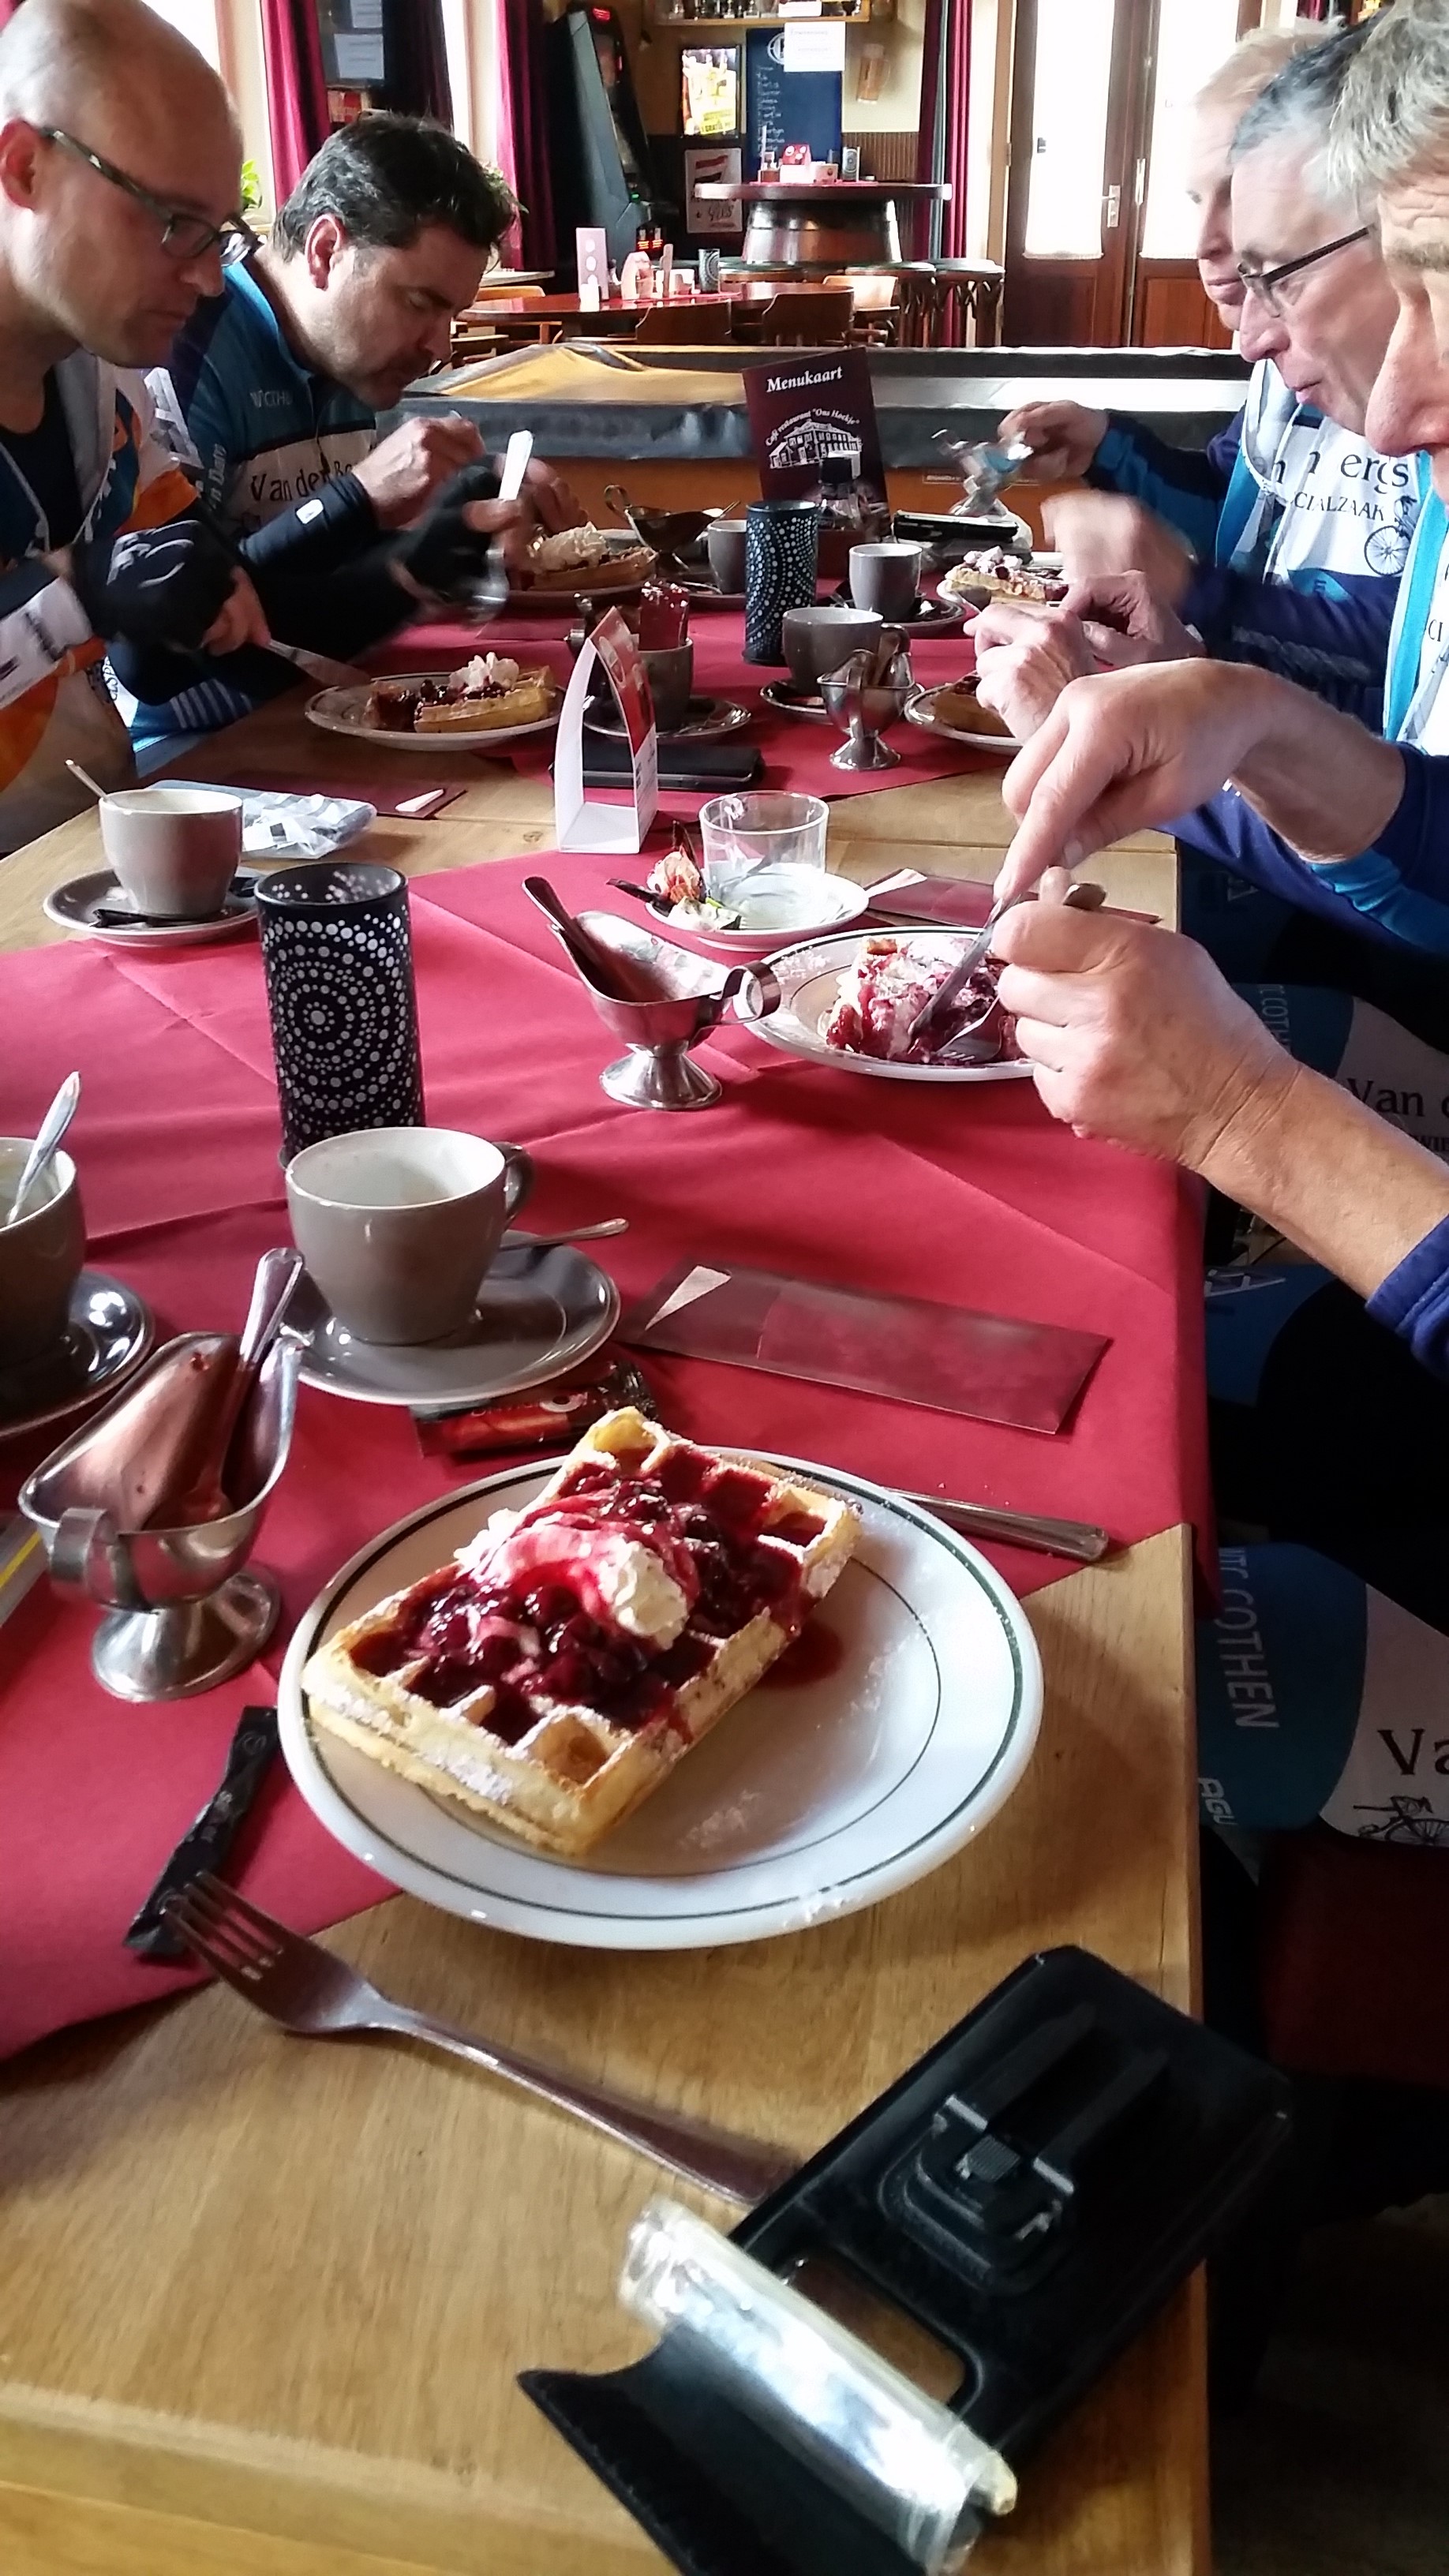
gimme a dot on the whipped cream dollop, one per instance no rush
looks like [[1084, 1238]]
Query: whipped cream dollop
[[488, 671], [619, 1580]]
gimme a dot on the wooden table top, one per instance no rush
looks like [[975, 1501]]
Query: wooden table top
[[264, 2302]]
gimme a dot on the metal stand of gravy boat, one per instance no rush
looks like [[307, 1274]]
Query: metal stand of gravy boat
[[863, 705], [184, 1609], [658, 1032]]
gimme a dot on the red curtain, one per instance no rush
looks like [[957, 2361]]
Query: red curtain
[[296, 88], [417, 60], [523, 131], [945, 110]]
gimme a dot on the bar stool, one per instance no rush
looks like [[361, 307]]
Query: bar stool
[[970, 287]]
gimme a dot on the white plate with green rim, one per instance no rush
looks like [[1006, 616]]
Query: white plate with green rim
[[810, 976], [806, 1802]]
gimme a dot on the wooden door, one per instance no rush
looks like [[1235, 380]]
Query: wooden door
[[1077, 91], [1167, 307]]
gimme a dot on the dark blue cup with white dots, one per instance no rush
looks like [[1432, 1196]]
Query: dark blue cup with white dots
[[782, 551], [338, 957]]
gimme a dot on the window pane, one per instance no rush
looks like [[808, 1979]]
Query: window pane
[[1070, 81], [1193, 37]]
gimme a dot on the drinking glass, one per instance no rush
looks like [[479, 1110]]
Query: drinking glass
[[744, 835]]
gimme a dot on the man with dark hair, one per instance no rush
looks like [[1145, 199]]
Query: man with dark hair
[[271, 394]]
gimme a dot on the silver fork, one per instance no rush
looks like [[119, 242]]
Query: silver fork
[[316, 1995]]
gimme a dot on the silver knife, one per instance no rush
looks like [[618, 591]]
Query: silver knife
[[319, 666], [947, 994], [1082, 897], [1081, 1540]]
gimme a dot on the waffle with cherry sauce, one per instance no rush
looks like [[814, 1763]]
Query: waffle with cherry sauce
[[553, 1673]]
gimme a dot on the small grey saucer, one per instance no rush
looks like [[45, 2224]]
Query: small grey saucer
[[705, 720], [538, 1314], [109, 1332], [75, 904]]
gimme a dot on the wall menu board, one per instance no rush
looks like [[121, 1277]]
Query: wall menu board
[[786, 107]]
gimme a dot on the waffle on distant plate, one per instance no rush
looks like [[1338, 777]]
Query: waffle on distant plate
[[559, 1666], [574, 558], [1002, 576], [490, 691]]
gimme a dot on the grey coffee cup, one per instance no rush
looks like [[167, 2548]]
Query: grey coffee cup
[[40, 1255], [817, 640], [886, 578], [174, 848], [725, 542], [398, 1225]]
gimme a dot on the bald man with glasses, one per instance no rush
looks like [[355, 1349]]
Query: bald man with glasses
[[120, 168]]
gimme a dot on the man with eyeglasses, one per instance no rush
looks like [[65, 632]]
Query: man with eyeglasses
[[271, 397], [1312, 526], [119, 164], [1331, 516]]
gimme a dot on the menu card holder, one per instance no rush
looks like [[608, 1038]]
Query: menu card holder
[[582, 823], [994, 1368], [1005, 2219]]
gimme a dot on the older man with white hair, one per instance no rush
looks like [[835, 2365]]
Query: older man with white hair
[[1319, 307], [1339, 1435]]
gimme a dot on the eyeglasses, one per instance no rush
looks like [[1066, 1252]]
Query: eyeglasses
[[184, 236], [1266, 282]]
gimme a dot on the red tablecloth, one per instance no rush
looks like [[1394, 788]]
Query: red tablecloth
[[796, 752], [974, 1197]]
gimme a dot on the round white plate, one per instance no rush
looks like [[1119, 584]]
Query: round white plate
[[342, 711], [538, 1313], [803, 1804], [921, 710], [73, 905], [839, 901], [810, 976]]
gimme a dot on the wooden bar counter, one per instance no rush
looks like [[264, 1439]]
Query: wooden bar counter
[[264, 2300]]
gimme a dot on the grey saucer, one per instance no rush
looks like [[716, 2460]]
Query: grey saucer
[[789, 699], [925, 616], [705, 720], [75, 905], [109, 1333], [538, 1314]]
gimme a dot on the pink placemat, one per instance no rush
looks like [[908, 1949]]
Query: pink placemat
[[975, 1196], [795, 751]]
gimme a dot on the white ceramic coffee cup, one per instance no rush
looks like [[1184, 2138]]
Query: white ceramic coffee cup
[[173, 848], [398, 1225]]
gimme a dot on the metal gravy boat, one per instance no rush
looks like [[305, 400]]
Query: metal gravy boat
[[693, 995], [184, 1609]]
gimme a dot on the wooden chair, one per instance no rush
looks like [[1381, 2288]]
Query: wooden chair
[[875, 312], [803, 317], [683, 325]]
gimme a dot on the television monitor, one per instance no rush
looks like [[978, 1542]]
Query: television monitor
[[710, 87]]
